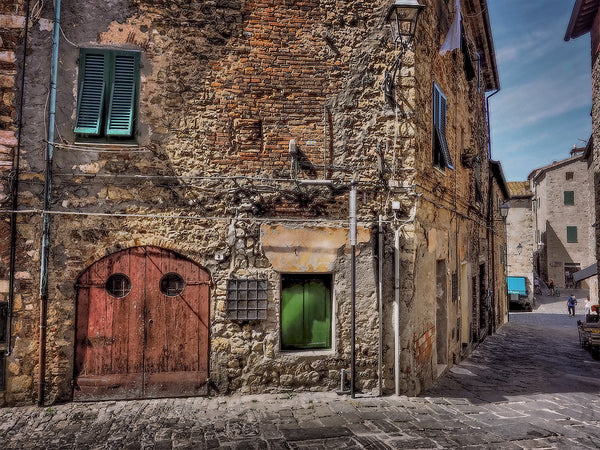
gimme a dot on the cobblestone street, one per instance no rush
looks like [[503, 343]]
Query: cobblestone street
[[529, 386]]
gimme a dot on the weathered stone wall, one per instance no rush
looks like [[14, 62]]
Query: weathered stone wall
[[452, 217], [224, 87], [215, 101]]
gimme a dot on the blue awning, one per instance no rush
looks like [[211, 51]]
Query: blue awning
[[516, 285]]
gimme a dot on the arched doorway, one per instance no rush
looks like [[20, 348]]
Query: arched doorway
[[142, 327]]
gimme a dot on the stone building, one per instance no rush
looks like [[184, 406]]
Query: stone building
[[520, 239], [180, 197], [563, 214], [585, 18]]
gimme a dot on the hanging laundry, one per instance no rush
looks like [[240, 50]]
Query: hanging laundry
[[453, 39]]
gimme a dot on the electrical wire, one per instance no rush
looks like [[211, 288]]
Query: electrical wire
[[66, 38], [187, 217]]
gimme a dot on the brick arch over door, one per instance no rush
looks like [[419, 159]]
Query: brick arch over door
[[135, 339]]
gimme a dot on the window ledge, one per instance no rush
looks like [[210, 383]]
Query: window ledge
[[304, 353]]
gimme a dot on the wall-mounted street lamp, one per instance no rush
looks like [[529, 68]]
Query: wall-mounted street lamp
[[402, 17], [504, 210]]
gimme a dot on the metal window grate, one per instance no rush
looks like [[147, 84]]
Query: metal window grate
[[247, 299], [172, 284], [118, 285]]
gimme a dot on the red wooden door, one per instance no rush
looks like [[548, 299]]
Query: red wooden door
[[142, 327]]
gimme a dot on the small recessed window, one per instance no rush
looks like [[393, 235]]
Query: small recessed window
[[172, 284], [569, 176], [118, 285], [569, 197], [571, 234]]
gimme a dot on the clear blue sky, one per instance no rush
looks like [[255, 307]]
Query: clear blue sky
[[543, 107]]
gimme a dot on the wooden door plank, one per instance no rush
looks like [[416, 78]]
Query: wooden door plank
[[204, 329], [176, 384], [81, 333], [137, 274], [156, 347], [108, 387]]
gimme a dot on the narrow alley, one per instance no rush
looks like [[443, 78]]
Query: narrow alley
[[529, 386]]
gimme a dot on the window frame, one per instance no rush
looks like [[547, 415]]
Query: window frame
[[569, 198], [107, 95], [572, 231], [304, 344], [441, 152]]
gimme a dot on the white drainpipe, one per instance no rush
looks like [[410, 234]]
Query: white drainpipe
[[397, 296]]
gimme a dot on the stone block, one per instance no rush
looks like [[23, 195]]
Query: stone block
[[7, 57], [11, 21], [7, 81], [8, 138]]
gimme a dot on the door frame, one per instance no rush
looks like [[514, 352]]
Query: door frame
[[202, 272]]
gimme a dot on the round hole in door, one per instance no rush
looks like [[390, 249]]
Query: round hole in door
[[118, 285], [172, 284]]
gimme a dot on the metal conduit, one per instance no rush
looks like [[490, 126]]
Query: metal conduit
[[48, 205]]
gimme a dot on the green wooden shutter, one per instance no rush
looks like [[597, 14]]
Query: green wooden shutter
[[317, 314], [306, 312], [90, 103], [571, 234], [121, 110], [292, 311], [569, 197]]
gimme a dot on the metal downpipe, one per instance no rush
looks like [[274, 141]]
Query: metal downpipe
[[353, 289], [380, 254], [397, 310], [48, 204]]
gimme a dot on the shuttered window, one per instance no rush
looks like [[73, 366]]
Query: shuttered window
[[305, 312], [571, 234], [441, 152], [107, 94], [569, 197]]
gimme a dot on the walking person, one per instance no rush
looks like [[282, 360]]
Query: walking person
[[571, 302], [588, 307]]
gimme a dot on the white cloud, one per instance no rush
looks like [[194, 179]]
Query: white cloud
[[543, 98]]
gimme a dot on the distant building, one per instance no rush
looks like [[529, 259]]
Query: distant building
[[520, 238], [563, 215]]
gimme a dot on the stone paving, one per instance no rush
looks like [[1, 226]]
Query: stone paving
[[528, 386]]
